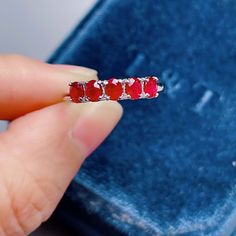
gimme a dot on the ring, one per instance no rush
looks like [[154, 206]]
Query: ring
[[115, 89]]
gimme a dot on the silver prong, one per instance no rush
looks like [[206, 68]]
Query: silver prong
[[104, 97], [160, 87], [143, 94], [67, 99], [85, 98], [103, 84], [143, 78], [124, 96]]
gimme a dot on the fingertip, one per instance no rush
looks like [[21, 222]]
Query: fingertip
[[78, 70], [28, 85]]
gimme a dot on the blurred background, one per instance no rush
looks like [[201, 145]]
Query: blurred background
[[35, 29]]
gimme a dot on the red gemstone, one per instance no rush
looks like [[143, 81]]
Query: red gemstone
[[93, 90], [114, 89], [134, 88], [76, 92], [150, 87]]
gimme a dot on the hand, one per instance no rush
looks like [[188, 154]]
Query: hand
[[46, 141]]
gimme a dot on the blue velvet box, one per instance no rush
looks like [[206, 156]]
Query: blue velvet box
[[168, 167]]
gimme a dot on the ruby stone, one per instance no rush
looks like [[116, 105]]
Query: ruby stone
[[150, 87], [114, 89], [76, 92], [134, 88], [93, 90]]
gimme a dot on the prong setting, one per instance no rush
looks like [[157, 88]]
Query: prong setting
[[117, 89]]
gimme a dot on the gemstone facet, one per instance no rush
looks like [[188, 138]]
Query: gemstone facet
[[113, 89], [76, 92], [93, 90], [134, 88], [150, 87]]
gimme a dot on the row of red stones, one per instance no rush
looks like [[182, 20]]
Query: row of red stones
[[113, 89]]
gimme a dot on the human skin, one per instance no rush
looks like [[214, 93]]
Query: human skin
[[47, 139]]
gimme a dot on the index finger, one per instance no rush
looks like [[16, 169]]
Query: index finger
[[27, 85]]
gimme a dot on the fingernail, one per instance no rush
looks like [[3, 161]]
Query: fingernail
[[76, 69], [95, 122], [65, 74]]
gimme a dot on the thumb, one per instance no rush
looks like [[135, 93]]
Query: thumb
[[44, 150]]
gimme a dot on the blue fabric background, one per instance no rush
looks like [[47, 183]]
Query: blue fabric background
[[167, 169]]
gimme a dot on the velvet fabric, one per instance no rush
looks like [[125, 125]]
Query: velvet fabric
[[168, 167]]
